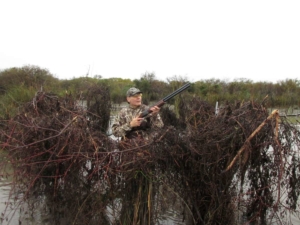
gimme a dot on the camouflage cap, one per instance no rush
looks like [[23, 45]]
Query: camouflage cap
[[132, 91]]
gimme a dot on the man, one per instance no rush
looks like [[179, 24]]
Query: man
[[127, 123], [136, 131]]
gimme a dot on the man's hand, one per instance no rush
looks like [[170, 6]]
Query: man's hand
[[154, 110], [136, 122]]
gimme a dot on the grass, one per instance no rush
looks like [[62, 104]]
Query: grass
[[294, 120]]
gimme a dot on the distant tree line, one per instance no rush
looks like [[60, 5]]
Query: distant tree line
[[19, 85]]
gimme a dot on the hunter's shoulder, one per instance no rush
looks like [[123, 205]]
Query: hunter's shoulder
[[124, 111], [129, 110]]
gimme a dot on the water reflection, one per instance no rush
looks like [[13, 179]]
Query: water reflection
[[4, 196]]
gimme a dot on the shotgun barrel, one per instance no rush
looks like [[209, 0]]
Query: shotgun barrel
[[165, 99], [179, 90]]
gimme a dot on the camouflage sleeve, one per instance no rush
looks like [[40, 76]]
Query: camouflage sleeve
[[120, 126]]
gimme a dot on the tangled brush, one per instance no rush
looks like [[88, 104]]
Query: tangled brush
[[215, 169]]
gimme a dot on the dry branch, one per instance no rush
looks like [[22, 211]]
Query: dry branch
[[275, 114]]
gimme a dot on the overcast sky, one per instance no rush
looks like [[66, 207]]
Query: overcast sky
[[257, 40]]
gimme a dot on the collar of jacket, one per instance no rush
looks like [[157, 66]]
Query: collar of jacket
[[136, 107]]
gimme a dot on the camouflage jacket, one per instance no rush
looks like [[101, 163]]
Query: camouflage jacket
[[121, 125]]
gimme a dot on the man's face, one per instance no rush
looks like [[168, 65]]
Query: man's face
[[135, 100]]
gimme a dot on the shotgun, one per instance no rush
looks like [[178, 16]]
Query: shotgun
[[165, 99]]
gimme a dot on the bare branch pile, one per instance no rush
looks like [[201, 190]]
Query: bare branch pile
[[227, 168]]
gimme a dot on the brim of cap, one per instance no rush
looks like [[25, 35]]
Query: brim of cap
[[139, 92]]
